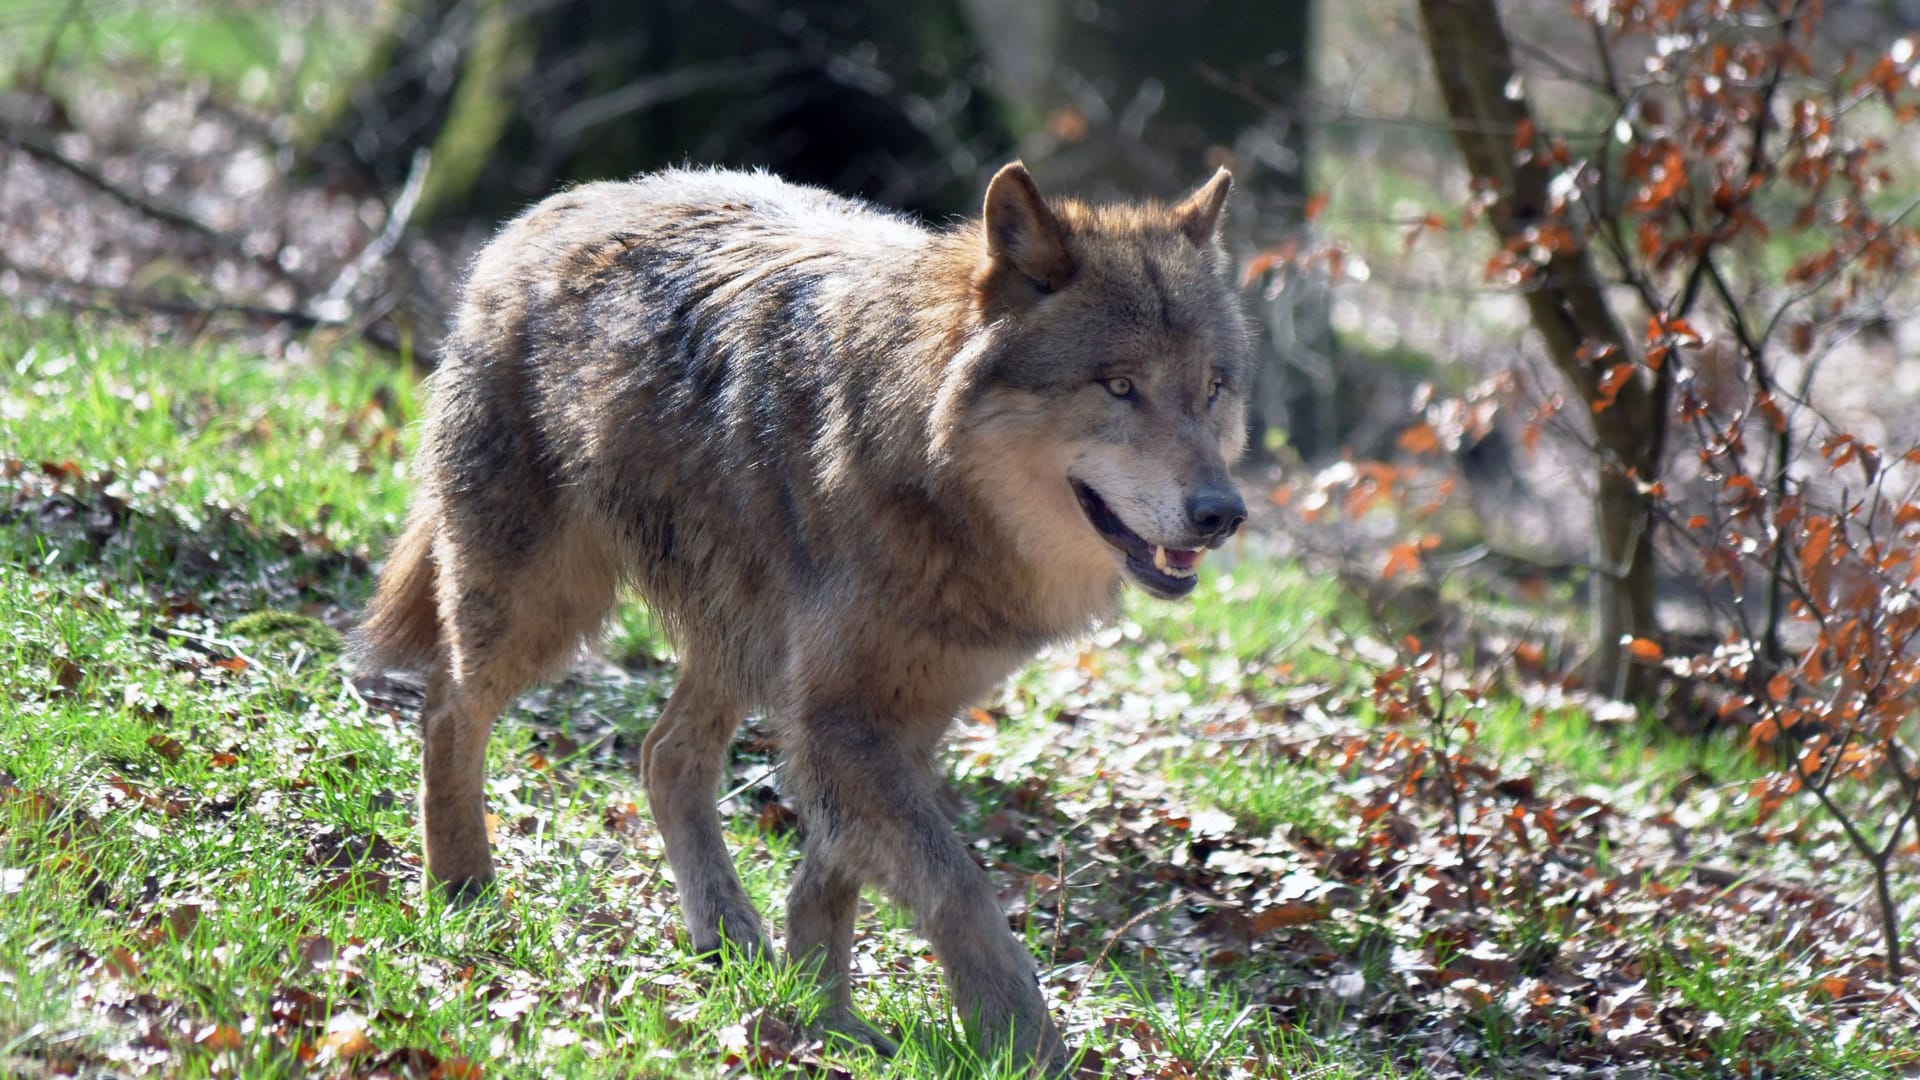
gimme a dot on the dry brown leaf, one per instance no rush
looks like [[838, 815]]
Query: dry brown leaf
[[1281, 916]]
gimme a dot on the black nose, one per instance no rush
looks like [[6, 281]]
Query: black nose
[[1216, 512]]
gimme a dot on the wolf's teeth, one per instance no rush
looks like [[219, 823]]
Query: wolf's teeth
[[1159, 558]]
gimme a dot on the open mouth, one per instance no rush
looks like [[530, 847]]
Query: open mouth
[[1168, 573]]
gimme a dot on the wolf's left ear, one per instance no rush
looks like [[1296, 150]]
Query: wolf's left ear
[[1199, 213]]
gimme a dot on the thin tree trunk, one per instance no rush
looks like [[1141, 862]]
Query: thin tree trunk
[[1889, 920], [1622, 585], [1487, 107], [514, 98]]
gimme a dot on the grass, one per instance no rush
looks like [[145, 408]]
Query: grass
[[209, 866]]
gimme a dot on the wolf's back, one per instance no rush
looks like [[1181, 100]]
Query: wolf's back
[[660, 362]]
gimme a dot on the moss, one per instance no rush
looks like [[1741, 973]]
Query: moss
[[283, 629]]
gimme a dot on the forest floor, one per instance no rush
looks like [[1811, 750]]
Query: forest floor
[[1226, 829]]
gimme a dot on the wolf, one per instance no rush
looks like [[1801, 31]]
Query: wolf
[[861, 469]]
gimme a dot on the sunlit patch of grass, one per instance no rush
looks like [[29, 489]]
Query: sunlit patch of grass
[[239, 47], [1263, 792], [1622, 754], [1743, 1009], [315, 446], [244, 840], [635, 638], [1157, 1017], [1261, 616]]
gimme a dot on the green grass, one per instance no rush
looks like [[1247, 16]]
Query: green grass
[[1263, 792], [315, 448], [1750, 1022], [208, 852]]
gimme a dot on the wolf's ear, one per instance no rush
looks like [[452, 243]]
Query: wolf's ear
[[1199, 213], [1022, 232]]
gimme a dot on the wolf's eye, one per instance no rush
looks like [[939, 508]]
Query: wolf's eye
[[1213, 390], [1119, 386]]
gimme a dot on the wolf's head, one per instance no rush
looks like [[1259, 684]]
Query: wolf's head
[[1109, 392]]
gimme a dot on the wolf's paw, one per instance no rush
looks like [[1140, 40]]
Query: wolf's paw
[[465, 891], [843, 1025], [1065, 1066], [739, 938], [730, 950]]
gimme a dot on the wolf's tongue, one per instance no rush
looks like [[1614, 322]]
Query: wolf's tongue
[[1165, 559], [1185, 560]]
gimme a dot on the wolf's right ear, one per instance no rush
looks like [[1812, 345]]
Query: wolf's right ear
[[1022, 232]]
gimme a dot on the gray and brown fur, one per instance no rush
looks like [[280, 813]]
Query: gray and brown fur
[[832, 450]]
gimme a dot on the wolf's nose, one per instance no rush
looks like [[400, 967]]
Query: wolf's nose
[[1216, 512]]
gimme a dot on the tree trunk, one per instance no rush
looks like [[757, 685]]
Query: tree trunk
[[1487, 107]]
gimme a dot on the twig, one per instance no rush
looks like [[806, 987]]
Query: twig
[[333, 306], [40, 147], [1060, 908], [578, 119], [111, 300], [1114, 939], [221, 643], [1221, 1043], [752, 783]]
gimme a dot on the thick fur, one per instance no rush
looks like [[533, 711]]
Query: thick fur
[[836, 453]]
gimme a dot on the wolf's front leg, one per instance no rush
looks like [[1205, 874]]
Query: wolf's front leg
[[680, 766], [873, 813]]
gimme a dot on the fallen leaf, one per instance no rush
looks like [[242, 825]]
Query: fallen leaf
[[219, 1038], [167, 747], [347, 1044], [1281, 916], [346, 1035]]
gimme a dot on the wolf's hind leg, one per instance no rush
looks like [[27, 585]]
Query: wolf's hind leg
[[680, 766], [509, 617], [453, 775], [821, 904]]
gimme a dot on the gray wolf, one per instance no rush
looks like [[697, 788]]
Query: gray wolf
[[860, 469]]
